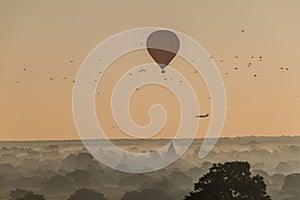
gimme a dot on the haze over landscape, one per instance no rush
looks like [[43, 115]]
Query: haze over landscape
[[254, 45]]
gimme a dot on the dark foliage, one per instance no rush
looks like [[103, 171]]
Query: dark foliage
[[291, 187], [20, 194], [80, 177], [229, 181], [58, 184], [146, 194], [86, 194]]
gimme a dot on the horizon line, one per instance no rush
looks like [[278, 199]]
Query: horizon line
[[198, 138]]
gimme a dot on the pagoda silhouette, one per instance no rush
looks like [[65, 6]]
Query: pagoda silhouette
[[171, 153]]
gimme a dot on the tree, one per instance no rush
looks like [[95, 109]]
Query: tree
[[146, 194], [32, 196], [229, 181], [80, 177], [134, 180], [20, 194], [2, 182], [131, 195], [180, 178], [291, 186], [164, 184], [86, 194], [83, 160], [58, 184]]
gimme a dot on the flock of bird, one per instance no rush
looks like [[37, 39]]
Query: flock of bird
[[180, 81], [143, 70], [250, 64], [50, 78], [165, 78]]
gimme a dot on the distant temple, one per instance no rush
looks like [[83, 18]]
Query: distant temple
[[123, 163], [125, 159], [171, 152]]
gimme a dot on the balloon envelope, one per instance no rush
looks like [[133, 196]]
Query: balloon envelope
[[163, 46]]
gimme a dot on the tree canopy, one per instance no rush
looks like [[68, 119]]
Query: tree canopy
[[86, 194], [58, 184], [146, 194], [229, 181], [20, 194], [291, 186]]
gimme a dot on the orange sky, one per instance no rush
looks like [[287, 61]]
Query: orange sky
[[43, 36]]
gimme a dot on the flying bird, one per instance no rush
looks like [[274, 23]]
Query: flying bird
[[202, 116]]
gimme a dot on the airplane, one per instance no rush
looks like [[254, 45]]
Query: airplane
[[202, 116]]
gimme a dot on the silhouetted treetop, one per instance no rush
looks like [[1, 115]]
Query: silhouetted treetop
[[58, 184], [146, 194], [231, 180], [20, 194], [291, 187], [86, 194]]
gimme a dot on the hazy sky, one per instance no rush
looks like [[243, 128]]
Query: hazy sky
[[43, 36]]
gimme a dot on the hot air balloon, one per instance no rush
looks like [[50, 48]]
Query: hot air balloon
[[163, 45]]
